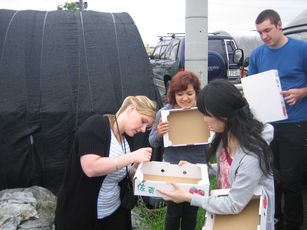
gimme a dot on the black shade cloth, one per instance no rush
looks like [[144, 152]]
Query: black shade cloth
[[56, 69]]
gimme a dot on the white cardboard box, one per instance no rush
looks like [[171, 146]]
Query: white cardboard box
[[263, 93], [253, 216], [153, 175], [186, 127]]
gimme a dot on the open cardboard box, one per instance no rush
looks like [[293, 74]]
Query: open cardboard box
[[152, 175], [263, 93], [253, 216], [187, 127]]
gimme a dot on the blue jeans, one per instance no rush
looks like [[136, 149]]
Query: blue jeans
[[288, 150]]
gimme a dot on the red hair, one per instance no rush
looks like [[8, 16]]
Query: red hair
[[180, 82]]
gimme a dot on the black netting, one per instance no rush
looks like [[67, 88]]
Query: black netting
[[56, 69]]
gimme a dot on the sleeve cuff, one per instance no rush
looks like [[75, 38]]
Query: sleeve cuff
[[197, 200]]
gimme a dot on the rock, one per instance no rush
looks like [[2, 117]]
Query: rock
[[27, 208]]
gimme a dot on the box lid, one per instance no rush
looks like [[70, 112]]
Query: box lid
[[254, 215], [187, 127]]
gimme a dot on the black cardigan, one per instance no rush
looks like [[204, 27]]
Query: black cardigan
[[77, 198]]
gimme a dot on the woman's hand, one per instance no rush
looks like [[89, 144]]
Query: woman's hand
[[133, 169], [142, 155], [184, 163], [162, 128], [178, 196]]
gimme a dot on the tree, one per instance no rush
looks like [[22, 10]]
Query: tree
[[70, 6]]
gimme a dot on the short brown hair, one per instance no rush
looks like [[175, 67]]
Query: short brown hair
[[180, 82], [268, 14]]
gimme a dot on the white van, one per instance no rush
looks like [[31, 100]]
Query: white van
[[297, 28]]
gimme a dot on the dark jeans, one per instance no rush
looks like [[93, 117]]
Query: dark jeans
[[180, 216], [119, 220], [288, 149]]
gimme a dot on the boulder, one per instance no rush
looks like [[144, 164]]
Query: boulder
[[27, 208]]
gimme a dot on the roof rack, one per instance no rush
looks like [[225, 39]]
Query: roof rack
[[173, 35], [220, 32], [214, 33], [170, 35], [161, 37]]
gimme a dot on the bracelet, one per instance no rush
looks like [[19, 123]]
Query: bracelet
[[116, 163]]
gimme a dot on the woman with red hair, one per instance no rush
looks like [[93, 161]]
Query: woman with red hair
[[182, 93]]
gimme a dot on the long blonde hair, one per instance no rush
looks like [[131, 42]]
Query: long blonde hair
[[142, 104]]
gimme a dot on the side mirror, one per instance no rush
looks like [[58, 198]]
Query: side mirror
[[238, 56], [246, 62]]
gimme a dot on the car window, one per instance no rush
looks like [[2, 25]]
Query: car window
[[163, 50], [230, 45], [230, 48], [156, 53], [160, 50], [173, 50], [217, 46]]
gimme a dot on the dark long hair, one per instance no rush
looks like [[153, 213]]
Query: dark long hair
[[222, 100]]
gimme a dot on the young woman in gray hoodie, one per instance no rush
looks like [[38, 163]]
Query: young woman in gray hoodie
[[241, 147]]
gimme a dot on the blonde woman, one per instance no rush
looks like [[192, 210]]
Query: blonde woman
[[89, 197]]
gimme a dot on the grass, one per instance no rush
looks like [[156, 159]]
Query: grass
[[153, 219], [149, 219]]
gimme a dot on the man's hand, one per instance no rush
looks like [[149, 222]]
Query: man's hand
[[293, 95]]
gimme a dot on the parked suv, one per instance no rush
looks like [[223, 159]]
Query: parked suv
[[167, 59]]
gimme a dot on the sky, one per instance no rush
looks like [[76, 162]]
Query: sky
[[154, 18]]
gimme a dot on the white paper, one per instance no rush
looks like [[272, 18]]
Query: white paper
[[263, 93]]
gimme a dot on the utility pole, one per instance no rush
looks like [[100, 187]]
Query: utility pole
[[81, 5], [196, 39]]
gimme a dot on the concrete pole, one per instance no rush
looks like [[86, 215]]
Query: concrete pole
[[81, 5], [196, 38]]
